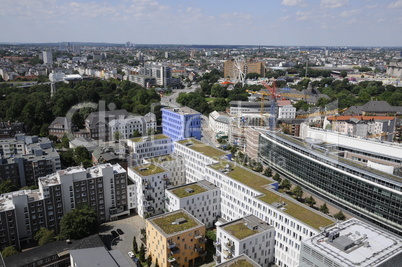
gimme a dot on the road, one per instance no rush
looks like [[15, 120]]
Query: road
[[170, 100]]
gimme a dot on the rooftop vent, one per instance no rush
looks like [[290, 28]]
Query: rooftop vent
[[189, 190], [180, 221], [143, 169], [163, 159]]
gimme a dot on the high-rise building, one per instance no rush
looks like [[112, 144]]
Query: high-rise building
[[181, 123], [47, 57]]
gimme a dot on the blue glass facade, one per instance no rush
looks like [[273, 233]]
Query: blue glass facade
[[180, 125]]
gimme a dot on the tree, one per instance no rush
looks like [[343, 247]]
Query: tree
[[142, 252], [79, 223], [268, 172], [44, 236], [277, 178], [7, 186], [117, 135], [65, 142], [324, 209], [343, 74], [135, 245], [310, 201], [297, 192], [340, 216], [149, 260], [286, 184], [156, 263], [9, 251], [136, 133], [211, 235]]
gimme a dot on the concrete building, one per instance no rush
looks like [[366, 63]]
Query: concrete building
[[181, 123], [99, 257], [162, 74], [149, 147], [349, 184], [201, 199], [219, 123], [244, 192], [175, 165], [97, 123], [143, 80], [351, 243], [252, 142], [230, 70], [245, 107], [287, 112], [176, 239], [248, 235], [150, 182], [47, 57], [394, 69], [123, 128]]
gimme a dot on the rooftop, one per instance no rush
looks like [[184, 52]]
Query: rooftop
[[192, 189], [168, 225], [99, 257], [149, 169], [246, 227], [239, 261], [149, 138], [162, 159], [203, 148], [183, 110], [358, 244], [288, 205]]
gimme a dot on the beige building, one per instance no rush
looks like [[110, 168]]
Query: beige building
[[249, 67], [176, 239]]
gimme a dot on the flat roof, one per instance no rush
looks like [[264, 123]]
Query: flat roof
[[271, 197], [149, 138], [192, 189], [148, 169], [161, 159], [246, 227], [203, 148], [239, 261], [167, 225], [358, 244], [183, 110], [93, 257]]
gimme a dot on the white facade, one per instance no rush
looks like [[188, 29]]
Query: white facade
[[258, 244], [47, 57], [219, 123], [175, 165], [126, 127], [149, 147], [201, 199], [287, 112], [150, 184]]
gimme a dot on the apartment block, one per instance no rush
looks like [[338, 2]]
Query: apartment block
[[230, 69], [150, 182], [143, 80], [149, 147], [248, 235], [172, 164], [244, 192], [201, 199], [351, 243], [181, 123], [176, 239], [241, 260], [123, 128]]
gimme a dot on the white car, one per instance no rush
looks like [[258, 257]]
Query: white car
[[131, 254]]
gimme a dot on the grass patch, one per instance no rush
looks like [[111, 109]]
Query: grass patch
[[162, 159], [209, 99], [241, 263], [165, 223], [204, 148], [239, 230], [181, 192], [150, 137], [149, 169]]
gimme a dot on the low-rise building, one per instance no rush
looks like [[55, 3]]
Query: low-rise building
[[176, 239], [201, 199], [248, 235]]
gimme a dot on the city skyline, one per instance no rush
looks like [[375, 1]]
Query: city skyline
[[285, 22]]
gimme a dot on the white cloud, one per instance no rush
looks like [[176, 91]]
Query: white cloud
[[396, 4], [301, 16], [293, 3], [236, 15], [348, 13], [333, 3], [381, 20]]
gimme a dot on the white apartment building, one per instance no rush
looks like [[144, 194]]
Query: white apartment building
[[149, 147], [150, 185], [173, 164], [352, 243], [244, 192], [248, 235], [201, 199], [125, 127], [219, 123], [287, 112]]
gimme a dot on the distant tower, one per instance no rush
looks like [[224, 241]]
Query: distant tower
[[47, 57], [77, 49], [166, 54]]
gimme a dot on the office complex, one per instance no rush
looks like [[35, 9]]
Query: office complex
[[351, 243], [201, 199], [181, 123], [372, 194], [24, 212], [248, 235], [176, 239]]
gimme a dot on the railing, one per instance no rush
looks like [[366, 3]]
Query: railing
[[217, 258], [171, 259], [171, 244]]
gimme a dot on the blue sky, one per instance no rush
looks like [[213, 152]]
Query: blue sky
[[253, 22]]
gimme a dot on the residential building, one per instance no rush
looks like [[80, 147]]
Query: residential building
[[150, 182], [244, 192], [149, 147], [394, 69], [219, 123], [230, 69], [352, 186], [98, 256], [10, 129], [97, 123], [252, 142], [351, 243], [181, 123], [287, 112], [201, 199], [241, 260], [47, 57], [124, 128], [162, 74], [143, 80], [175, 165], [176, 239], [374, 107], [248, 235]]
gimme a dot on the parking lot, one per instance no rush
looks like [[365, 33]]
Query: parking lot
[[130, 227]]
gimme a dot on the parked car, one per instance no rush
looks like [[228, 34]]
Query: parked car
[[120, 231], [114, 234], [131, 254]]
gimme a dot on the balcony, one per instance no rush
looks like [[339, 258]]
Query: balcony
[[171, 245], [227, 254], [149, 198], [201, 251], [229, 245], [171, 259], [217, 258], [174, 250], [149, 208], [217, 244]]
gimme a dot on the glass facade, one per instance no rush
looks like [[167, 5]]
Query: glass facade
[[350, 188]]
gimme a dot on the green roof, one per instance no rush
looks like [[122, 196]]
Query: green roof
[[241, 263], [259, 183], [151, 137], [165, 222], [204, 148], [181, 192], [148, 169], [240, 230], [162, 159]]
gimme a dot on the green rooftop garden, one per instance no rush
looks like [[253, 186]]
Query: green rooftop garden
[[162, 159], [151, 137], [240, 230], [259, 183], [149, 169], [181, 192], [165, 223], [241, 263], [204, 148]]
